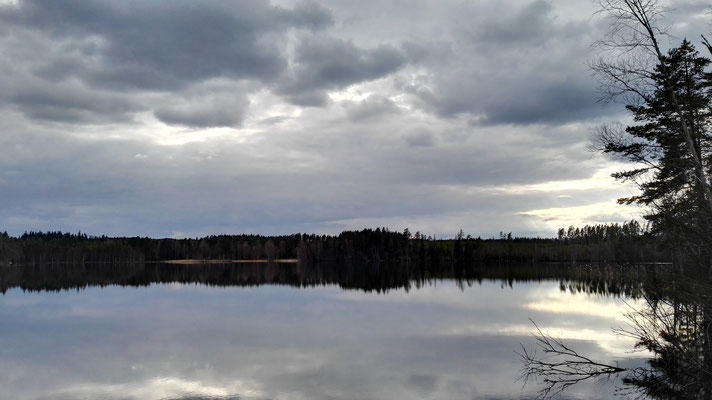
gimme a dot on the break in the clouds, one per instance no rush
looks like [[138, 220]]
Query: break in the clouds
[[187, 118]]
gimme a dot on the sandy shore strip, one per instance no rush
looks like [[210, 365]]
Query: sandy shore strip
[[259, 261]]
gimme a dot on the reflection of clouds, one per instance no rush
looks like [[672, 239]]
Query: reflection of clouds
[[274, 342], [425, 383], [441, 293], [603, 337], [610, 310], [160, 388], [582, 304], [558, 310], [192, 397], [578, 306], [19, 301]]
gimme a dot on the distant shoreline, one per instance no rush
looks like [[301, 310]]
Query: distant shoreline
[[258, 261]]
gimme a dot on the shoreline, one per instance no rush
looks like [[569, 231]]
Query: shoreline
[[257, 261]]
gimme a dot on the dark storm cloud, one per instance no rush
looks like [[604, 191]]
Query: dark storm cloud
[[327, 63]]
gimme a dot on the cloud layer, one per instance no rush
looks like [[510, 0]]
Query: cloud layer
[[176, 118]]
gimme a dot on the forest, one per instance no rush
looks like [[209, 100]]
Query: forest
[[626, 242]]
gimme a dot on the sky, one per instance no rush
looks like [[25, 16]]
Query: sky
[[182, 118]]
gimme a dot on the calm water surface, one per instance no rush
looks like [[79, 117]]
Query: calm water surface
[[188, 341]]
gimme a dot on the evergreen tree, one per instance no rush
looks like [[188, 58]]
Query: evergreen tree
[[670, 146]]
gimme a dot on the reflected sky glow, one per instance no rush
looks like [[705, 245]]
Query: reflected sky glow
[[156, 388], [273, 342], [556, 302]]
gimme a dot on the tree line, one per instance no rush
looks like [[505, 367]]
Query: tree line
[[606, 242]]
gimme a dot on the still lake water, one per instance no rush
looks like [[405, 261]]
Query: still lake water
[[191, 341]]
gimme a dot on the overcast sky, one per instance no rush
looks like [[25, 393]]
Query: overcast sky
[[186, 118]]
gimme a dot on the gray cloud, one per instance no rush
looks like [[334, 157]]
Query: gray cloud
[[420, 137], [566, 99], [436, 116], [167, 44], [521, 68], [71, 103], [99, 57], [327, 63], [374, 106], [295, 181], [530, 25], [213, 104], [213, 112], [308, 97], [512, 100]]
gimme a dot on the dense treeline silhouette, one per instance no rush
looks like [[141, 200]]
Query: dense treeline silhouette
[[610, 242]]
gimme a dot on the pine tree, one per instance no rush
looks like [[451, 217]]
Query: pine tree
[[671, 149]]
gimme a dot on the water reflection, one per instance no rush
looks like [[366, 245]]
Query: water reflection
[[672, 325], [148, 332], [604, 279], [675, 325]]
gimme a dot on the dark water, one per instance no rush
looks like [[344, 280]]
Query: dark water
[[255, 333]]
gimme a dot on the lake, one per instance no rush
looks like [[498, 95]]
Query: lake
[[167, 332]]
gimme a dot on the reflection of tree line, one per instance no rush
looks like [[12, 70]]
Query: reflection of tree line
[[602, 279], [610, 242]]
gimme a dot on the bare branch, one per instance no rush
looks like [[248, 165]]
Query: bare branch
[[707, 43], [560, 366]]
